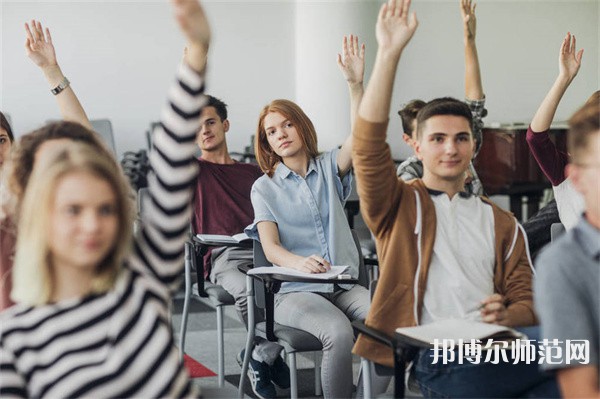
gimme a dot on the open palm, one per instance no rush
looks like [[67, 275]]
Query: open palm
[[352, 63], [569, 60], [394, 26], [38, 46], [192, 21]]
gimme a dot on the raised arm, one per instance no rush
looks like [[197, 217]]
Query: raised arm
[[473, 86], [352, 65], [40, 49], [378, 187], [167, 211], [394, 30], [569, 62]]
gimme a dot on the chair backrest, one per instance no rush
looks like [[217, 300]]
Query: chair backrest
[[260, 260], [104, 128], [363, 273]]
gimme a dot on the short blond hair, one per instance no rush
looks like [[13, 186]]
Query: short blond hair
[[32, 277]]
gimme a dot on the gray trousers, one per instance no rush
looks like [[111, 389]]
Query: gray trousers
[[327, 317], [225, 262]]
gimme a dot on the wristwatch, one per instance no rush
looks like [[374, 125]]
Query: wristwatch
[[61, 86]]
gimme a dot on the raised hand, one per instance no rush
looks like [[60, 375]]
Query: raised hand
[[394, 27], [38, 46], [194, 25], [352, 63], [569, 60], [192, 21], [467, 10]]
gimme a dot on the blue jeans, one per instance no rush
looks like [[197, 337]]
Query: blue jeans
[[327, 317], [484, 380]]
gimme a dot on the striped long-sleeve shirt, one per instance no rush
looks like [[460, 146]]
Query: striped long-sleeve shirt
[[119, 344]]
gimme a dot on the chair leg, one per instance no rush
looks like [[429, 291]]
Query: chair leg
[[184, 319], [293, 375], [366, 377], [317, 360], [250, 336], [220, 346]]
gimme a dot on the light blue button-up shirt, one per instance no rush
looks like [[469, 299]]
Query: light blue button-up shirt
[[309, 213]]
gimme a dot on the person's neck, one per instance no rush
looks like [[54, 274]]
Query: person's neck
[[297, 164], [70, 283], [450, 187], [219, 156]]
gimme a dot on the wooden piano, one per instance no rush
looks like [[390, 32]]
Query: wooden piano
[[506, 167]]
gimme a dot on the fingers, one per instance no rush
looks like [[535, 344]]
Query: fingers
[[405, 8], [48, 36], [493, 309], [345, 46], [30, 39], [579, 56], [362, 51], [339, 61]]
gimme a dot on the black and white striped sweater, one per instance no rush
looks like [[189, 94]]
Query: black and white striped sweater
[[119, 344]]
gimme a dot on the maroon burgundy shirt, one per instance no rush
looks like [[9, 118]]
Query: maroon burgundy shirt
[[549, 158], [222, 200]]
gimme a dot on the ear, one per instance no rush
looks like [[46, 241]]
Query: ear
[[226, 125], [417, 148], [406, 138]]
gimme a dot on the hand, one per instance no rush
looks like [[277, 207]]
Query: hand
[[352, 64], [569, 61], [312, 264], [192, 21], [394, 29], [493, 310], [467, 10], [39, 47]]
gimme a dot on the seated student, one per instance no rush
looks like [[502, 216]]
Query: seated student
[[551, 161], [412, 168], [299, 219], [91, 318], [222, 206], [40, 50], [429, 268], [567, 285]]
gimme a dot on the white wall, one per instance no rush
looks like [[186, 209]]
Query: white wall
[[120, 58]]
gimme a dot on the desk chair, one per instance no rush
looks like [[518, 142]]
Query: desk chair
[[404, 353], [194, 250], [261, 291]]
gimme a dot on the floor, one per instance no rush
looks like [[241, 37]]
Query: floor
[[201, 344]]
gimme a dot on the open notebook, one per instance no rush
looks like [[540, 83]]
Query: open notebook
[[333, 273], [456, 329], [219, 238]]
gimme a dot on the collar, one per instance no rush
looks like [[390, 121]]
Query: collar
[[283, 172], [462, 194], [589, 238]]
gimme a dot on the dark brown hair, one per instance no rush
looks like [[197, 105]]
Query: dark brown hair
[[443, 106], [265, 156], [408, 114]]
